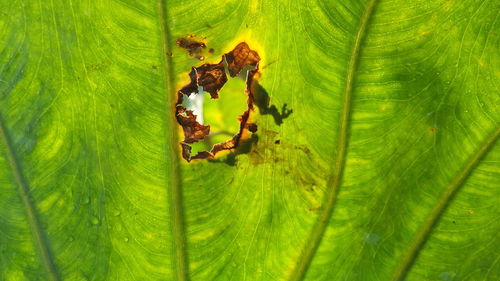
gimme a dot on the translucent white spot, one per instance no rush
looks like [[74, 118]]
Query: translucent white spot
[[195, 103]]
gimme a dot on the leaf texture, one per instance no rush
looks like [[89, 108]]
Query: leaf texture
[[379, 160]]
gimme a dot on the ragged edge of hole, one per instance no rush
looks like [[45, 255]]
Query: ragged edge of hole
[[212, 79]]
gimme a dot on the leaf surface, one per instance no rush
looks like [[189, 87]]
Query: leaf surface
[[386, 167]]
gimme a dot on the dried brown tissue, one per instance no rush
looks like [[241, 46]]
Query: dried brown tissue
[[194, 47], [212, 77]]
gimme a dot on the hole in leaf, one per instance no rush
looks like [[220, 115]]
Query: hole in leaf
[[242, 62]]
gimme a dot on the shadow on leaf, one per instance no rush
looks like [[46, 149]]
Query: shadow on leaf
[[262, 100], [244, 147]]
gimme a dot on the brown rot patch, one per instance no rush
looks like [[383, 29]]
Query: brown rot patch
[[252, 127], [240, 58], [193, 131], [211, 78], [194, 47]]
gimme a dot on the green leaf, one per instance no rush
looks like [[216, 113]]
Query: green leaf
[[387, 168]]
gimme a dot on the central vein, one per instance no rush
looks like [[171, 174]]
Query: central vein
[[180, 264]]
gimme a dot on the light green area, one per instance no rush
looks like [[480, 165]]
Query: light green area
[[393, 133]]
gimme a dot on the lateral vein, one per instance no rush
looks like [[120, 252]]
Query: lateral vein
[[335, 180], [37, 232], [421, 236]]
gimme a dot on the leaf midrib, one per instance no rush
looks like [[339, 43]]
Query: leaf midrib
[[181, 267], [318, 231], [37, 232]]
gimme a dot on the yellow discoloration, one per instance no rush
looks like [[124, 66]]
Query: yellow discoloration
[[254, 5], [14, 275], [48, 203], [447, 5], [203, 235], [252, 42]]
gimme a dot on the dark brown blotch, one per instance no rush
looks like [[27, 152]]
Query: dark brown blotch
[[193, 47], [240, 57], [212, 77], [193, 131]]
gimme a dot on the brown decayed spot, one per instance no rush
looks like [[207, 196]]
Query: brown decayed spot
[[192, 87], [194, 47], [193, 131], [189, 44], [252, 127], [212, 77], [240, 57]]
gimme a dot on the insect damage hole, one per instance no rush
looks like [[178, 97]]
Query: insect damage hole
[[222, 113], [193, 108]]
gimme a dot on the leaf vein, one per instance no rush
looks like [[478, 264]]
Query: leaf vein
[[181, 267], [334, 181], [423, 233], [39, 236]]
